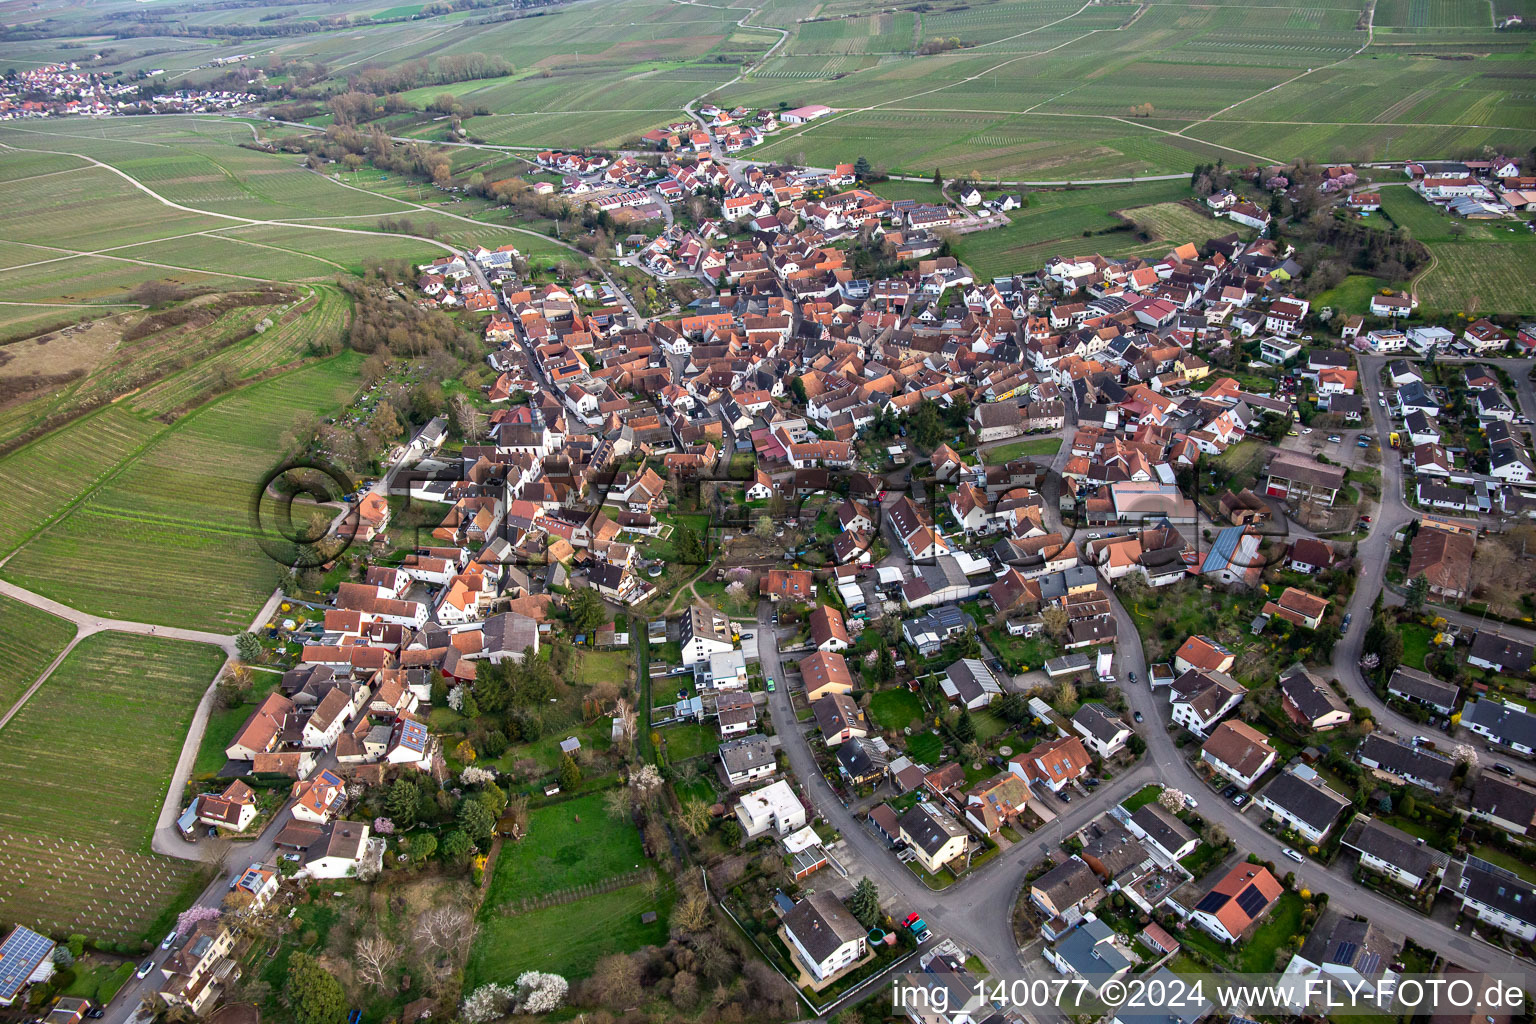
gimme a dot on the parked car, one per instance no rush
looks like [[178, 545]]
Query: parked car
[[1504, 769], [1191, 802], [1132, 677], [169, 940], [1362, 443], [1240, 799], [1137, 716], [1344, 627], [1292, 854], [145, 968], [1229, 792], [96, 1013], [1334, 439]]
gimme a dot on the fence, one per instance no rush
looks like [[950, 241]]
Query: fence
[[561, 897]]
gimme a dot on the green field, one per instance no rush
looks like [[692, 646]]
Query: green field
[[1071, 222], [67, 835], [895, 709], [566, 939], [167, 537], [29, 640], [1480, 278], [568, 844], [1034, 446], [1353, 296]]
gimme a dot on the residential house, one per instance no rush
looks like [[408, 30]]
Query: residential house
[[1088, 952], [992, 803], [1310, 702], [787, 584], [774, 807], [1052, 763], [26, 958], [828, 631], [1498, 899], [1505, 724], [1238, 752], [824, 935], [341, 847], [1402, 763], [195, 972], [839, 719], [969, 683], [1300, 800], [1496, 652], [1241, 898], [1388, 851], [1444, 557], [747, 759], [1298, 607], [1421, 688], [1203, 653], [1166, 837], [825, 672], [234, 809], [1067, 892], [704, 632], [263, 731], [1302, 480], [936, 839], [318, 798], [1509, 804], [1102, 731], [1199, 699]]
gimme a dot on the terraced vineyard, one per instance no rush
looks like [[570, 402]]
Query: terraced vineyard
[[314, 325], [72, 843], [170, 539]]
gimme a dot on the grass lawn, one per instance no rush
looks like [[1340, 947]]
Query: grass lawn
[[1200, 861], [693, 739], [987, 725], [1021, 449], [1143, 796], [29, 640], [98, 981], [1353, 296], [568, 844], [567, 939], [133, 697], [1416, 643], [1258, 953], [924, 747], [603, 667], [895, 709], [713, 592]]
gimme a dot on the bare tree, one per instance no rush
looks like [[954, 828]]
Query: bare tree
[[443, 930], [695, 817], [375, 955], [471, 420], [691, 913]]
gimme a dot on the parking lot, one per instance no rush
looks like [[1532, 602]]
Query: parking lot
[[1344, 452]]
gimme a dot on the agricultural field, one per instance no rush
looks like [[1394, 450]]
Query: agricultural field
[[42, 480], [1182, 222], [168, 537], [29, 641], [63, 835], [1478, 278], [1072, 222]]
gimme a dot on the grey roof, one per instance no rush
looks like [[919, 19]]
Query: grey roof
[[1099, 722], [510, 631], [1410, 682], [1497, 649], [929, 827], [1348, 942], [1306, 800], [1500, 890], [971, 679], [1314, 697], [746, 753], [1162, 826], [1508, 725], [1393, 845], [821, 924], [1183, 1011], [1068, 884], [1410, 762], [1504, 798], [1089, 951]]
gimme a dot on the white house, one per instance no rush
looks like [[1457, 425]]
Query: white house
[[775, 807], [825, 937], [336, 854], [1239, 752]]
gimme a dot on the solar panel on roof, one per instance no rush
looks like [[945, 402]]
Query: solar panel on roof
[[1212, 902], [20, 954], [1369, 964], [1251, 900], [1345, 953]]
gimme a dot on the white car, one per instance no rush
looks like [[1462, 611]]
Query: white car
[[1306, 430], [1191, 802], [1292, 854]]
